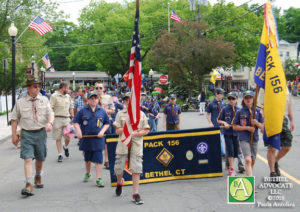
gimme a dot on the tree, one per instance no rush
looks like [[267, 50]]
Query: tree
[[189, 59], [289, 28], [292, 69]]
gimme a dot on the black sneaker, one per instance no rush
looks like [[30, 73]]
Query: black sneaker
[[119, 190], [67, 154], [277, 169], [137, 199], [106, 165], [274, 177], [60, 158], [241, 170]]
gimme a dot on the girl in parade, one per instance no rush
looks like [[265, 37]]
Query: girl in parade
[[244, 124]]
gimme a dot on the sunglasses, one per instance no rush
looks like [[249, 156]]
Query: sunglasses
[[231, 98], [99, 88]]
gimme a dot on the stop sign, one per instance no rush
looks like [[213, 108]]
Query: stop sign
[[163, 79]]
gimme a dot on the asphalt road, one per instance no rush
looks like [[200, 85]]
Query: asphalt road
[[65, 191]]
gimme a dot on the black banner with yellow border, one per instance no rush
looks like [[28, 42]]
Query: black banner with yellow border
[[173, 155]]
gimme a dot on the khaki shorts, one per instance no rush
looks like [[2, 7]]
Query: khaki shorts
[[136, 164], [58, 125], [247, 151]]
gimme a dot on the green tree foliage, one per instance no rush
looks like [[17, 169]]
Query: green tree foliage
[[60, 44], [22, 12], [292, 69], [188, 58], [289, 28]]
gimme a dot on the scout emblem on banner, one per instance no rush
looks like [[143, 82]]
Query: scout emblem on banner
[[270, 76]]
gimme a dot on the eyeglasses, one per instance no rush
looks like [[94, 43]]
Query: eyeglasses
[[99, 88], [231, 99]]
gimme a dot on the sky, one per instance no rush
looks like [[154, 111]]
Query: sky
[[73, 7]]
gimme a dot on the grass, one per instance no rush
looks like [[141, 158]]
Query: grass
[[4, 113]]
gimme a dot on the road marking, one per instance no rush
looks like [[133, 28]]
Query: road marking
[[282, 172]]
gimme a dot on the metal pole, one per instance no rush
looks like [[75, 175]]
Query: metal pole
[[13, 78], [5, 86], [169, 17]]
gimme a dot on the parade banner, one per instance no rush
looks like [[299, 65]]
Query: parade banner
[[174, 155]]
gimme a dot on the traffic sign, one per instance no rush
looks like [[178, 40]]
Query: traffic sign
[[163, 79]]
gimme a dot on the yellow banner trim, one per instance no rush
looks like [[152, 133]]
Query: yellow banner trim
[[162, 179], [178, 135]]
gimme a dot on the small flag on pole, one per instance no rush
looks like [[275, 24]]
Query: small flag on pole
[[40, 26], [175, 17], [46, 60]]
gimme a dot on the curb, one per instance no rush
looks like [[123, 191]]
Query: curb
[[5, 138]]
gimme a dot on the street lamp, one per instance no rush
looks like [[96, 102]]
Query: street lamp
[[151, 73], [73, 74], [43, 72], [13, 31]]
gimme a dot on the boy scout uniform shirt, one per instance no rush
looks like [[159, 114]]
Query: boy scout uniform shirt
[[107, 103], [136, 142], [91, 124], [23, 112], [168, 111], [242, 118], [154, 109], [61, 104], [213, 110], [228, 116]]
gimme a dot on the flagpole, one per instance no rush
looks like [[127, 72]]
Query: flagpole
[[24, 30], [169, 17], [253, 115]]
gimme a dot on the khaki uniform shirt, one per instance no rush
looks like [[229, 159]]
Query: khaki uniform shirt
[[61, 104], [23, 112], [261, 99], [107, 103], [136, 142]]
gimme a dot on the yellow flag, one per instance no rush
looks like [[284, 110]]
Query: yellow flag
[[269, 75], [214, 76]]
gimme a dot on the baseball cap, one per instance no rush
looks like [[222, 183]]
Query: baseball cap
[[219, 91], [248, 93], [92, 93], [232, 94], [172, 96], [126, 95]]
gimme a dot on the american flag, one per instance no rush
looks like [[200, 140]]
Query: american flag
[[46, 60], [175, 17], [134, 83], [40, 26]]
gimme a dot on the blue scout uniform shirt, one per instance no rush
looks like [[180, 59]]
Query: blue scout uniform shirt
[[91, 124], [118, 107], [154, 109], [227, 115], [168, 110], [242, 118], [213, 110], [144, 103]]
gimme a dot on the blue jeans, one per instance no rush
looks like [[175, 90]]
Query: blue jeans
[[153, 123]]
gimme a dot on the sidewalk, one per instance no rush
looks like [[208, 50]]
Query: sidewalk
[[5, 131]]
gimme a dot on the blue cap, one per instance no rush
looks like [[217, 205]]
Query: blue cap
[[232, 94], [219, 91], [126, 95], [92, 93], [248, 93], [172, 96]]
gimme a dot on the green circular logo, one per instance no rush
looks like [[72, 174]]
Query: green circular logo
[[241, 189]]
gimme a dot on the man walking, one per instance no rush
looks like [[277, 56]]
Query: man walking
[[79, 101], [34, 115], [62, 106]]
